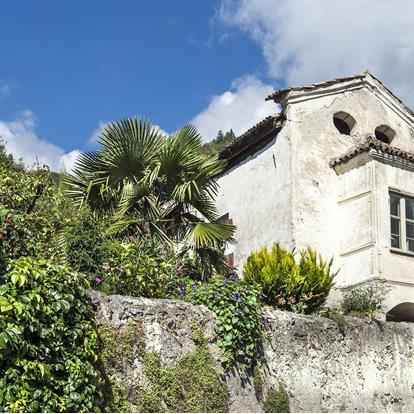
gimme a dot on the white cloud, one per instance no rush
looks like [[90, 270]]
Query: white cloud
[[305, 41], [21, 140], [93, 139], [238, 108]]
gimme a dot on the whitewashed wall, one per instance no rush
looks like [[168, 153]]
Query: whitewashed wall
[[257, 195], [288, 193]]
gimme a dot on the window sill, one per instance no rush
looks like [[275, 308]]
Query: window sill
[[401, 252]]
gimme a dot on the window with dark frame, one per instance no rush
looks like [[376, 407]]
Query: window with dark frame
[[402, 222]]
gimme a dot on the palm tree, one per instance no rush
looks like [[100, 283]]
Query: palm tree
[[152, 184]]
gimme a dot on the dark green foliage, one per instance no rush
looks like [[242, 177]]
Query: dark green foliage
[[48, 343], [86, 247], [35, 200], [277, 401], [363, 301], [239, 316], [215, 146], [300, 287], [139, 269], [19, 235]]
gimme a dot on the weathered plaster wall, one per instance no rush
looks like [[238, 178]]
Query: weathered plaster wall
[[346, 215], [368, 368], [288, 193], [394, 267], [257, 195]]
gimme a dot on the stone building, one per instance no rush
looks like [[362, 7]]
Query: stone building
[[333, 170]]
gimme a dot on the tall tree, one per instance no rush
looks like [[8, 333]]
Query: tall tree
[[153, 184]]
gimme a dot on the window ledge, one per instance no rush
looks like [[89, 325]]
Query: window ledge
[[402, 252]]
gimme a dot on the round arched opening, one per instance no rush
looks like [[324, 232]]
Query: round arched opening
[[344, 122], [384, 133], [403, 312]]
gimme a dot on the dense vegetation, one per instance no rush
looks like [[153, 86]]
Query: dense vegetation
[[221, 141], [136, 217]]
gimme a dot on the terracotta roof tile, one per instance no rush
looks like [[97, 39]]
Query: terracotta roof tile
[[373, 143], [253, 139], [281, 93]]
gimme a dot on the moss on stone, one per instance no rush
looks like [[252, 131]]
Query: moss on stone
[[119, 348], [258, 382], [115, 398], [276, 401], [191, 385]]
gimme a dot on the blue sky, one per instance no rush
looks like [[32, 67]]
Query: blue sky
[[67, 67], [75, 63]]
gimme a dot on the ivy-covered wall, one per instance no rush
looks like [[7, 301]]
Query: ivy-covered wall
[[160, 355]]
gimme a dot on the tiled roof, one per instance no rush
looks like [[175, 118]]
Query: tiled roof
[[253, 139], [275, 96], [373, 143]]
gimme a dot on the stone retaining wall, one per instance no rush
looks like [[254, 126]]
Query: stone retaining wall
[[368, 367]]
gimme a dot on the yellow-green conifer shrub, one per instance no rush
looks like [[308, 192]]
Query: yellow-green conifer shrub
[[299, 286]]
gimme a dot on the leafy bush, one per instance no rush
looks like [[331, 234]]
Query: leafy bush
[[19, 235], [276, 401], [48, 344], [35, 200], [239, 316], [363, 301], [86, 248], [138, 269], [286, 284]]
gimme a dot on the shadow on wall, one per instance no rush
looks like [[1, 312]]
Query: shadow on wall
[[404, 312]]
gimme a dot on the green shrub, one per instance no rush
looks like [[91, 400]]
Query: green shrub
[[86, 248], [300, 287], [48, 343], [138, 269], [335, 315], [239, 316], [363, 301], [277, 401], [19, 235]]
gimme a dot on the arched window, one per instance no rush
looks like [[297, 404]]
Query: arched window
[[384, 133], [404, 312], [344, 122]]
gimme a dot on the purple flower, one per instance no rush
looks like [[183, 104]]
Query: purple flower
[[206, 286], [233, 278], [98, 280], [244, 288], [226, 375], [106, 266], [233, 296], [266, 319], [121, 270], [194, 286], [181, 293], [181, 287]]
